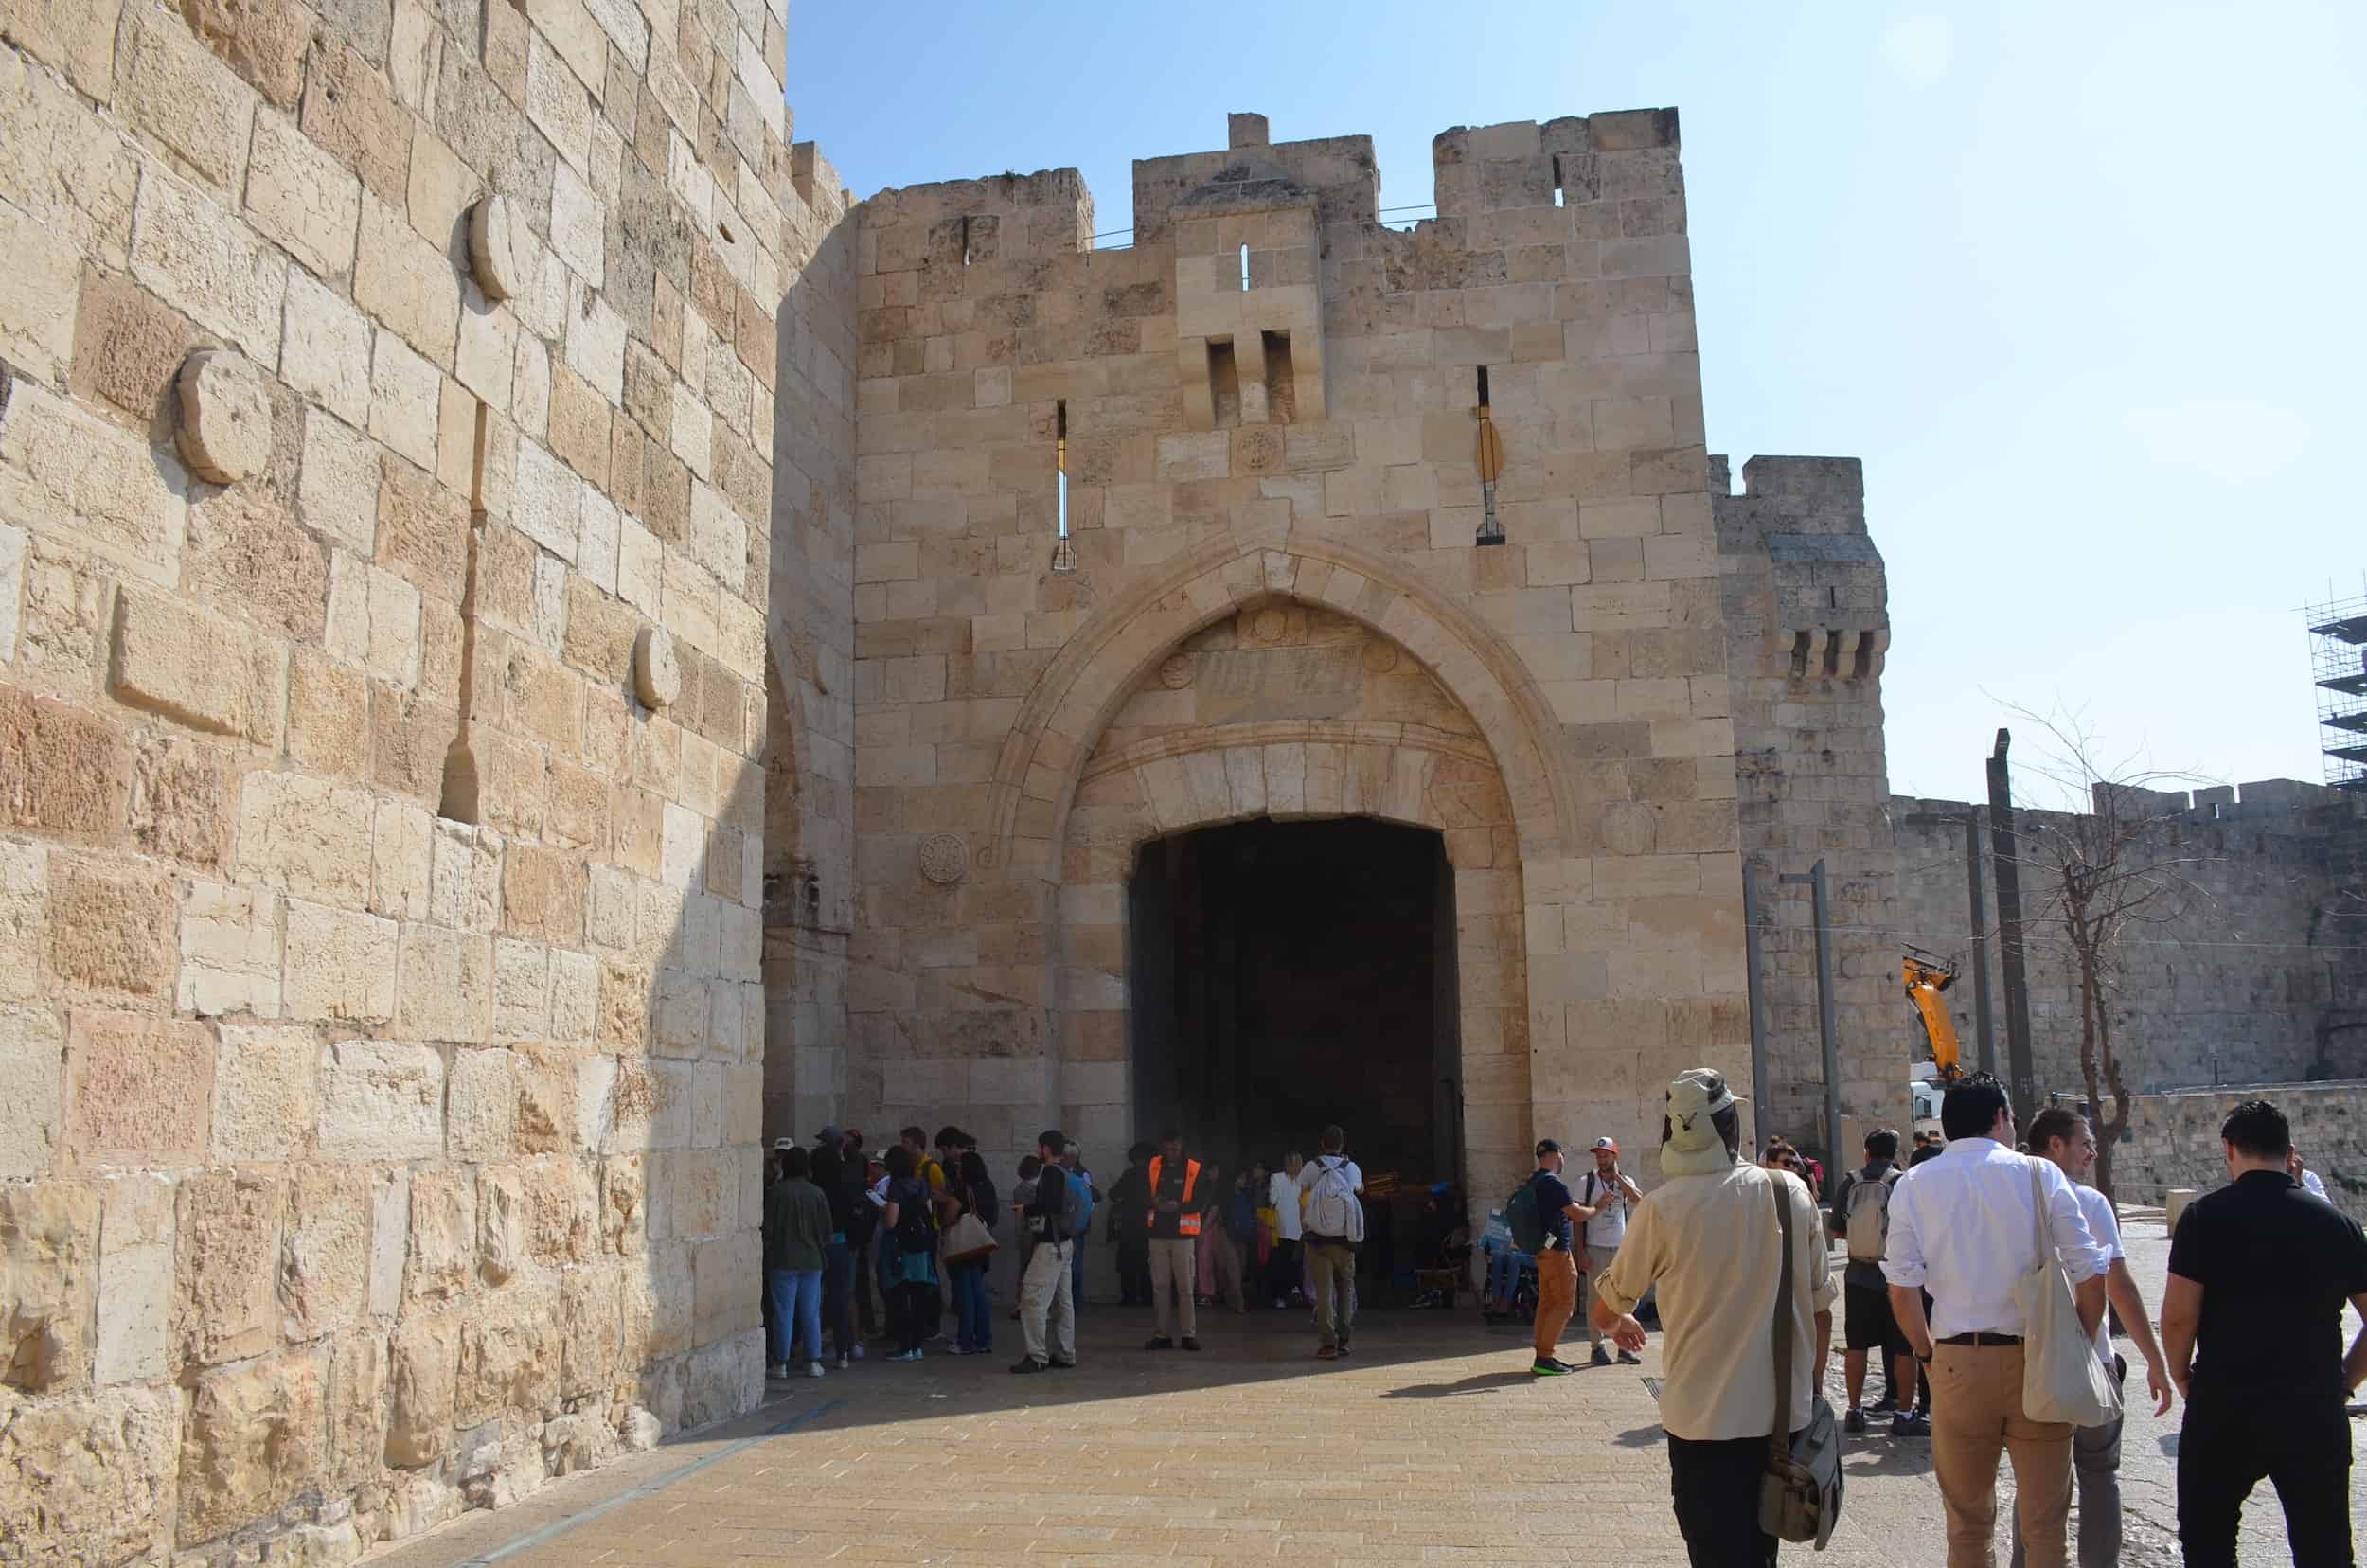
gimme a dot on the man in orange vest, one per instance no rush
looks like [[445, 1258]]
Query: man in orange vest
[[1176, 1202]]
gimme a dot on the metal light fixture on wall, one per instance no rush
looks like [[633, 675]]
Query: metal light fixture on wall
[[1491, 463]]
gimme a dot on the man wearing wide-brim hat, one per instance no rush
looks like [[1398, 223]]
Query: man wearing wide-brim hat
[[1711, 1239]]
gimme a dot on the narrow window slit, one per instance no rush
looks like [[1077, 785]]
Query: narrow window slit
[[964, 242], [1245, 267], [1490, 459], [1281, 381], [458, 798], [1064, 549], [1225, 382], [1558, 200]]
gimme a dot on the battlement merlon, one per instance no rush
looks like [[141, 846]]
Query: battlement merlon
[[1000, 218]]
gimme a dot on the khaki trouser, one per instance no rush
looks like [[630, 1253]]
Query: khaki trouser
[[1047, 1313], [1598, 1260], [1333, 1267], [1173, 1264], [1556, 1298], [1976, 1412]]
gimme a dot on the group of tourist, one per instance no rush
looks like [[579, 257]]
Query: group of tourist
[[1938, 1254]]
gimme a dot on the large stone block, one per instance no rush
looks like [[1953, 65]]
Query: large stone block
[[135, 1277], [340, 964], [198, 669], [247, 557], [179, 94], [423, 1361], [406, 282], [381, 1102], [357, 1410], [307, 836], [349, 111], [226, 1296], [89, 483], [89, 1479], [37, 294], [253, 1442], [76, 36], [49, 1239], [265, 41], [444, 986], [482, 1105], [205, 264], [128, 344], [324, 1274], [324, 354], [509, 1357], [443, 1238], [33, 1089], [111, 928], [139, 1090], [266, 1093], [229, 949]]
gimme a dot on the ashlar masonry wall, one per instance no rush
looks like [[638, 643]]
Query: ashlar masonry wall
[[1298, 435], [383, 583]]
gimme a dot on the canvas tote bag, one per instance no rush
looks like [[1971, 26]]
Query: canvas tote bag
[[2061, 1377], [1800, 1492]]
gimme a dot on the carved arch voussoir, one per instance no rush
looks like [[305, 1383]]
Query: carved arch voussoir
[[1037, 773]]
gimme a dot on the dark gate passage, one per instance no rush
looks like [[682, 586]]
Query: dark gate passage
[[1286, 974]]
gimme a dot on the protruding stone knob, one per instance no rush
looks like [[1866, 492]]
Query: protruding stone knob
[[225, 416], [656, 673], [496, 254]]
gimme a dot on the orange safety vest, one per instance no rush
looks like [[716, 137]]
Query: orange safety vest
[[1187, 1222]]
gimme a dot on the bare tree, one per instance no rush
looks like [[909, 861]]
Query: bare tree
[[2120, 865]]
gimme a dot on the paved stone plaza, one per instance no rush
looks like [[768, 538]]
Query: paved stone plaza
[[1432, 1444]]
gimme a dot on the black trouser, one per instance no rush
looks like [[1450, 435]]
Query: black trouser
[[2224, 1450], [1135, 1265], [1283, 1274], [1715, 1485], [912, 1312]]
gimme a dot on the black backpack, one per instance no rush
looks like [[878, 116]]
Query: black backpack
[[917, 1222]]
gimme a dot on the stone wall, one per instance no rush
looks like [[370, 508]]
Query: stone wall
[[1808, 627], [2260, 977], [384, 580], [2173, 1140], [1268, 402]]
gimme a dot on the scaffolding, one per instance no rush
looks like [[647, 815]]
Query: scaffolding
[[2338, 652]]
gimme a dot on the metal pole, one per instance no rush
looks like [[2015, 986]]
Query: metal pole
[[1758, 1004], [2003, 850], [1826, 1034], [1982, 1030]]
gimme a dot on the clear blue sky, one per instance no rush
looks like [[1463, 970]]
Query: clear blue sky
[[2080, 283]]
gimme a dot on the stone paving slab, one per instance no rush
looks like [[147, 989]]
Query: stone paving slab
[[1431, 1445]]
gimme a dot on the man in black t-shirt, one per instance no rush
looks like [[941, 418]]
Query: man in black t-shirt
[[1047, 1310], [1557, 1260], [2259, 1271]]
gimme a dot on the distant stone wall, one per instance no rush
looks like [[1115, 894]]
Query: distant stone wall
[[2261, 977], [2173, 1140], [383, 579]]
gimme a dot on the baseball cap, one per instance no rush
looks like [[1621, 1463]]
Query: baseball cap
[[1547, 1145], [783, 1143], [828, 1136], [1611, 1144], [1695, 1096]]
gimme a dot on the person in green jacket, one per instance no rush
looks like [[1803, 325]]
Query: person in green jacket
[[796, 1243]]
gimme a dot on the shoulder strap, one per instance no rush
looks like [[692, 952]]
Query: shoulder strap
[[2037, 1218], [1779, 1440]]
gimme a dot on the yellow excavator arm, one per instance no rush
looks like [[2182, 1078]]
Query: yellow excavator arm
[[1927, 975]]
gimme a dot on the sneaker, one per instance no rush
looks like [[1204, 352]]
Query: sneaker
[[1886, 1405], [1277, 1304], [1063, 1366], [1344, 1347], [1854, 1421], [1629, 1358], [1326, 1352], [1029, 1363], [1191, 1344], [1911, 1425], [1162, 1343], [842, 1360], [776, 1370], [1549, 1367], [1600, 1358], [813, 1369], [1566, 1366]]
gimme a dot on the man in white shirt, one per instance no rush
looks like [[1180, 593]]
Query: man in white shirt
[[1282, 1196], [1711, 1239], [1331, 1253], [1607, 1191], [2307, 1177], [1961, 1229], [2065, 1137]]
